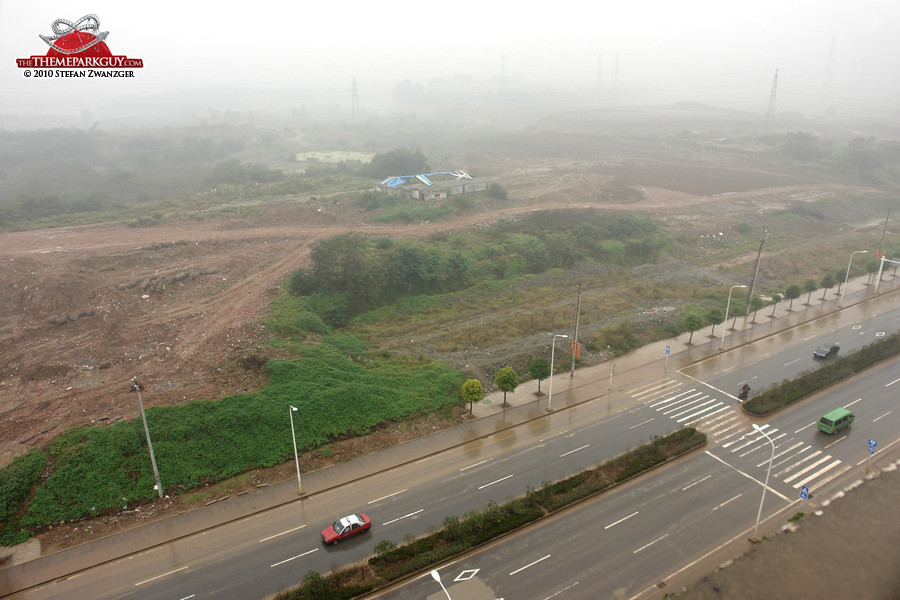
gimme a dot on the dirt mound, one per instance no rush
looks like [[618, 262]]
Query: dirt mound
[[86, 309]]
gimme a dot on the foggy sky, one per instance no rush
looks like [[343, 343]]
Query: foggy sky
[[828, 55]]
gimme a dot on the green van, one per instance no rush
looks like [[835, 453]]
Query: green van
[[835, 420]]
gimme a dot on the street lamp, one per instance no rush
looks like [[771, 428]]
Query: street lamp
[[147, 433], [552, 351], [847, 276], [769, 470], [727, 306], [437, 577], [296, 458]]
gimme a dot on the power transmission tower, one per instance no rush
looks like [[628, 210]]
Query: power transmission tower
[[599, 77], [771, 110], [354, 110], [615, 78]]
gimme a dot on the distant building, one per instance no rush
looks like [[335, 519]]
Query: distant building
[[433, 187]]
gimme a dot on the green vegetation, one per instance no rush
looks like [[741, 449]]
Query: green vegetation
[[477, 527], [339, 389], [790, 391], [16, 483], [351, 275]]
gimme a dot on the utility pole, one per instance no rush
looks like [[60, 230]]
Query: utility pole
[[762, 242], [771, 110], [599, 78], [575, 339], [149, 443], [354, 110]]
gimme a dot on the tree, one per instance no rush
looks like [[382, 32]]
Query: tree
[[811, 285], [872, 267], [776, 298], [827, 283], [692, 322], [397, 162], [755, 303], [497, 192], [507, 379], [713, 316], [792, 293], [539, 368], [472, 392]]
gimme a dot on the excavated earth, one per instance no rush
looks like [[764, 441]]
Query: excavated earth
[[86, 309]]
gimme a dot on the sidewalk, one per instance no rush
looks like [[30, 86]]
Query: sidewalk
[[680, 352], [489, 416]]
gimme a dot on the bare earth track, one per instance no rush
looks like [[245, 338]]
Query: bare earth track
[[86, 309]]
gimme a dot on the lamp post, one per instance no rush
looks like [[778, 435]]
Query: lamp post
[[437, 577], [769, 470], [147, 433], [552, 352], [296, 458], [727, 306], [847, 276]]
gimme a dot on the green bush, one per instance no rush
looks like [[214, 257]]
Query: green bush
[[103, 469], [792, 390]]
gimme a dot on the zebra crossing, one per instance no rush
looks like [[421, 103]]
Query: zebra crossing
[[689, 406], [795, 462]]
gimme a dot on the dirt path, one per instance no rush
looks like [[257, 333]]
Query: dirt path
[[86, 309]]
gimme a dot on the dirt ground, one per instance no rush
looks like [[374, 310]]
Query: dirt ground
[[86, 309], [849, 550]]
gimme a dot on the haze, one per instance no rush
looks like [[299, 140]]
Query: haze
[[832, 59]]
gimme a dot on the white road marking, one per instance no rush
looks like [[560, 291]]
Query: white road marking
[[160, 576], [530, 565], [750, 477], [554, 435], [386, 497], [476, 464], [272, 537], [412, 514], [727, 501], [780, 454], [651, 543], [797, 464], [813, 424], [852, 403], [294, 557], [891, 383], [571, 451], [882, 416], [481, 487], [561, 591], [815, 475], [807, 469], [620, 520], [835, 442], [642, 423], [825, 481], [696, 482]]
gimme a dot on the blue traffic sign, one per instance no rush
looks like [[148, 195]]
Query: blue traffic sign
[[668, 350], [804, 492], [872, 443]]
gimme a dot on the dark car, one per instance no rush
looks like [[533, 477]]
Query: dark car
[[826, 350], [346, 527]]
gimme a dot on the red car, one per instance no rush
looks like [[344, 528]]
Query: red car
[[346, 527]]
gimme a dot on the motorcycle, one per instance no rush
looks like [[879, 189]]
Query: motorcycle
[[744, 392]]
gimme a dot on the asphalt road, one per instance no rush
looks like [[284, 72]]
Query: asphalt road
[[257, 555], [629, 542]]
